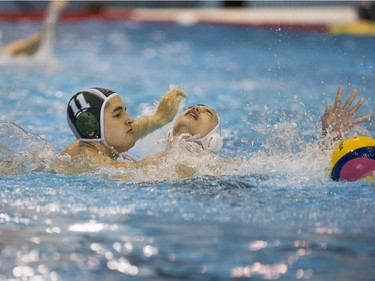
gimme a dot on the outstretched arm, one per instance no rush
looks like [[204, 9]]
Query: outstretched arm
[[54, 10], [31, 44], [27, 46], [338, 121], [165, 113]]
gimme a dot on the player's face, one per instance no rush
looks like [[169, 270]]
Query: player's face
[[198, 119], [118, 130]]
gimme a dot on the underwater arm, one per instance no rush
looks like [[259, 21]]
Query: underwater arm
[[337, 121], [182, 170], [165, 113], [215, 167]]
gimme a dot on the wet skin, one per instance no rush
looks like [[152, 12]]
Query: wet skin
[[118, 129], [198, 119]]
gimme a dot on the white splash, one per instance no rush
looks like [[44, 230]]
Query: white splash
[[22, 151]]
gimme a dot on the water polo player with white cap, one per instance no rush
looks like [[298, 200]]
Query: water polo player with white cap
[[197, 129], [199, 124], [103, 128]]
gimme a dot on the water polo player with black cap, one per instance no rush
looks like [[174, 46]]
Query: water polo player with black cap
[[198, 126], [104, 130]]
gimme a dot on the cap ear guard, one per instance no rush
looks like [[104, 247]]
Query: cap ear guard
[[215, 143], [85, 113], [88, 125]]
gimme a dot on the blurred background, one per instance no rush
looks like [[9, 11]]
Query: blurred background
[[79, 5], [40, 5], [364, 9]]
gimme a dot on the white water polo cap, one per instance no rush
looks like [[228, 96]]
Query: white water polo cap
[[213, 141], [85, 113]]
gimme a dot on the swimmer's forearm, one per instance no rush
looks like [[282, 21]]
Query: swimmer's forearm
[[53, 14], [147, 125], [23, 46], [165, 113]]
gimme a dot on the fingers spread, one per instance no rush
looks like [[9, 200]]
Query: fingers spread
[[337, 103], [352, 96], [355, 108], [328, 110], [362, 119]]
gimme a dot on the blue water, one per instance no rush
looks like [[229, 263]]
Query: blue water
[[279, 217]]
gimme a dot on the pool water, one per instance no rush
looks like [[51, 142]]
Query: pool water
[[277, 216]]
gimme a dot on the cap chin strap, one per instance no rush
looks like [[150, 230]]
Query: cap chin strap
[[120, 156], [213, 141]]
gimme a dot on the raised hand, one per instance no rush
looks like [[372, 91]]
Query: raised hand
[[168, 105], [339, 121], [165, 113]]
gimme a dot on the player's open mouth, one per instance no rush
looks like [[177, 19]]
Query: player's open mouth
[[192, 113]]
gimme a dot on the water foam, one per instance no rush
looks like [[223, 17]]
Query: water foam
[[23, 152]]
